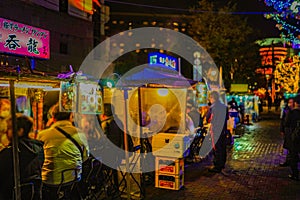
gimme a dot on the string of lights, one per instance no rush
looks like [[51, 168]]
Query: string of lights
[[287, 8], [287, 19]]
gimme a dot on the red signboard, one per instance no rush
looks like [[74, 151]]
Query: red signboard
[[264, 71], [269, 53], [21, 39]]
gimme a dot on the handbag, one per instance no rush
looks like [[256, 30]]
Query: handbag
[[91, 168]]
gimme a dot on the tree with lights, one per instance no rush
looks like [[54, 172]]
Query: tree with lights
[[286, 74], [287, 16], [225, 37]]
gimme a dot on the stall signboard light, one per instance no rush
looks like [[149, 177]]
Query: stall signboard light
[[201, 93], [163, 59], [67, 98], [163, 92], [264, 71], [90, 101], [108, 83], [239, 88], [268, 53], [24, 40]]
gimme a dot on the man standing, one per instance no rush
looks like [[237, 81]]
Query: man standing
[[217, 117], [63, 160], [285, 132], [293, 125]]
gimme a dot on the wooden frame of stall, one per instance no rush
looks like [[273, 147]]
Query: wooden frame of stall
[[38, 85]]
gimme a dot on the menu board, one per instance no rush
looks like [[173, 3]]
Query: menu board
[[67, 97], [201, 92], [90, 98]]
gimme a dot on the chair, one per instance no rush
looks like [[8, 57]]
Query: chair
[[64, 187], [27, 191], [31, 190]]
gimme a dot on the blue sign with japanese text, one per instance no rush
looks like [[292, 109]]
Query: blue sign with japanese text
[[163, 59]]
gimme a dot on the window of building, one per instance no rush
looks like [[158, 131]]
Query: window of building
[[63, 6], [63, 48]]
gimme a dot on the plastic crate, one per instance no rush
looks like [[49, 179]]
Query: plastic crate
[[167, 165], [172, 182]]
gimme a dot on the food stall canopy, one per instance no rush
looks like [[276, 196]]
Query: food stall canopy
[[147, 74]]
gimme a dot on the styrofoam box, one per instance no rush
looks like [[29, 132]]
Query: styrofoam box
[[170, 145], [168, 165], [171, 182]]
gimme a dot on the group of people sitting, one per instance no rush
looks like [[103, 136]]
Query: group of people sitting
[[49, 164]]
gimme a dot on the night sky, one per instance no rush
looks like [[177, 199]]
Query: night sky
[[262, 26]]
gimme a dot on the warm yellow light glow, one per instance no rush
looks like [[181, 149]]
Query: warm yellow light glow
[[163, 92], [84, 5]]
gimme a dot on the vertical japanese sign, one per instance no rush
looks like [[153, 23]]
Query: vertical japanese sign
[[68, 95], [21, 39], [90, 101]]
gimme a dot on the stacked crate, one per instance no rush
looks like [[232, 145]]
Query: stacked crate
[[169, 173]]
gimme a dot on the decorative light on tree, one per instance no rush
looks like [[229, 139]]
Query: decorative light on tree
[[287, 16], [287, 74]]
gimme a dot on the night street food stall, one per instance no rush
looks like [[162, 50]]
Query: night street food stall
[[156, 105], [25, 95], [30, 96]]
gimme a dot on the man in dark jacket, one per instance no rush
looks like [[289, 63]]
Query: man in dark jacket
[[293, 125], [31, 156], [217, 116], [286, 133]]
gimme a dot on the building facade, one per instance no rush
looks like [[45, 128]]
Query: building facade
[[71, 32]]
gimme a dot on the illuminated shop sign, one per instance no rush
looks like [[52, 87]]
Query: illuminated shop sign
[[21, 39], [162, 59]]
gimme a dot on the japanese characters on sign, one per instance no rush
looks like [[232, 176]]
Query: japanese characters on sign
[[162, 59], [21, 39]]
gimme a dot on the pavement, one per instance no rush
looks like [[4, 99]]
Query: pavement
[[252, 169]]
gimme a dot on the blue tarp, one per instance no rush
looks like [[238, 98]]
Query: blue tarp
[[148, 74]]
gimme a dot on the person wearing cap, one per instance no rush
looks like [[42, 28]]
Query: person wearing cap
[[217, 116]]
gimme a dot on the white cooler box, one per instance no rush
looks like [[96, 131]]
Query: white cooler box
[[170, 144]]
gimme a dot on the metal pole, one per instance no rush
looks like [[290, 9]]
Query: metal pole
[[15, 143], [179, 66], [128, 187], [143, 150]]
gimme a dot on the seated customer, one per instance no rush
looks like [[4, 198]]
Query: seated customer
[[31, 158], [63, 159]]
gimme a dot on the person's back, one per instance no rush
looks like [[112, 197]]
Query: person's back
[[31, 157], [292, 124], [60, 153], [63, 160], [217, 116]]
